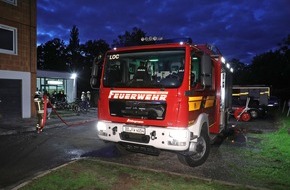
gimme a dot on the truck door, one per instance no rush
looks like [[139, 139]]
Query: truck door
[[195, 96], [202, 85]]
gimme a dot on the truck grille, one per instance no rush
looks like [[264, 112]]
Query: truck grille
[[135, 137], [138, 109]]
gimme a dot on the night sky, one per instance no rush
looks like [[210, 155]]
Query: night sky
[[239, 28]]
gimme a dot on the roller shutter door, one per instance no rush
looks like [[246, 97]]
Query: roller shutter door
[[10, 98]]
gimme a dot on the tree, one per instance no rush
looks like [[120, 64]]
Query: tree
[[73, 48], [239, 71], [52, 55], [90, 50], [267, 68], [130, 38], [284, 46], [272, 68]]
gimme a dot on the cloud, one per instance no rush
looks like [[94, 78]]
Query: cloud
[[237, 28]]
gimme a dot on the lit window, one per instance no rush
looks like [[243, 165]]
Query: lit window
[[8, 39]]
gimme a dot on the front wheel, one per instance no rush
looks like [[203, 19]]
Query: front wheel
[[201, 154], [76, 108]]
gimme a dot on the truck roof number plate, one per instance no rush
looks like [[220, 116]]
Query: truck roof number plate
[[130, 129]]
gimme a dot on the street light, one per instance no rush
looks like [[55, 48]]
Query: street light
[[73, 76]]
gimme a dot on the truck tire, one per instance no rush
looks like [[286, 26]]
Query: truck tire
[[202, 151]]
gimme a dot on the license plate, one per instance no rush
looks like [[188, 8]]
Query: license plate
[[131, 129]]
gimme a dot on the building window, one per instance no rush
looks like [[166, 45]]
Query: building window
[[8, 39], [12, 2], [51, 85]]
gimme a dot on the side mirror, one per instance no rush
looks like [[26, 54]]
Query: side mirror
[[95, 72], [95, 69], [93, 82]]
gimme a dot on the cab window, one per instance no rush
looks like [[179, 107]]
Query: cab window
[[195, 70]]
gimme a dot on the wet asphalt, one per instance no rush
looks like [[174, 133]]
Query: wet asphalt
[[25, 153]]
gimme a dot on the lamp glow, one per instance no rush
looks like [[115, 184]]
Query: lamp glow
[[73, 76]]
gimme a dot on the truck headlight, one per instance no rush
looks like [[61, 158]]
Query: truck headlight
[[101, 126], [178, 134], [178, 138]]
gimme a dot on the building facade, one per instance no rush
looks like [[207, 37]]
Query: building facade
[[17, 57]]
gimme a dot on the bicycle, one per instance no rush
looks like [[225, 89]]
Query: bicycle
[[79, 106]]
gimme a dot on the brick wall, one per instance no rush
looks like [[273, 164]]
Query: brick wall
[[23, 17]]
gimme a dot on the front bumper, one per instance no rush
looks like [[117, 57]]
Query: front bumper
[[176, 139]]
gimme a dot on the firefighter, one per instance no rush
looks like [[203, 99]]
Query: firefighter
[[49, 104], [84, 101], [89, 98], [89, 95], [39, 109], [83, 96]]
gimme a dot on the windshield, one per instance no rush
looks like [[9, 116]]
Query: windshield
[[149, 69]]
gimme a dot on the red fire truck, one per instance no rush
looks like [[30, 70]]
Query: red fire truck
[[168, 95]]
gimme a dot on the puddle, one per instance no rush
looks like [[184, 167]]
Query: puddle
[[74, 154], [237, 135], [106, 152]]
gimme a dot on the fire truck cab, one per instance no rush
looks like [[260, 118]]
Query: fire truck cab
[[169, 95]]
